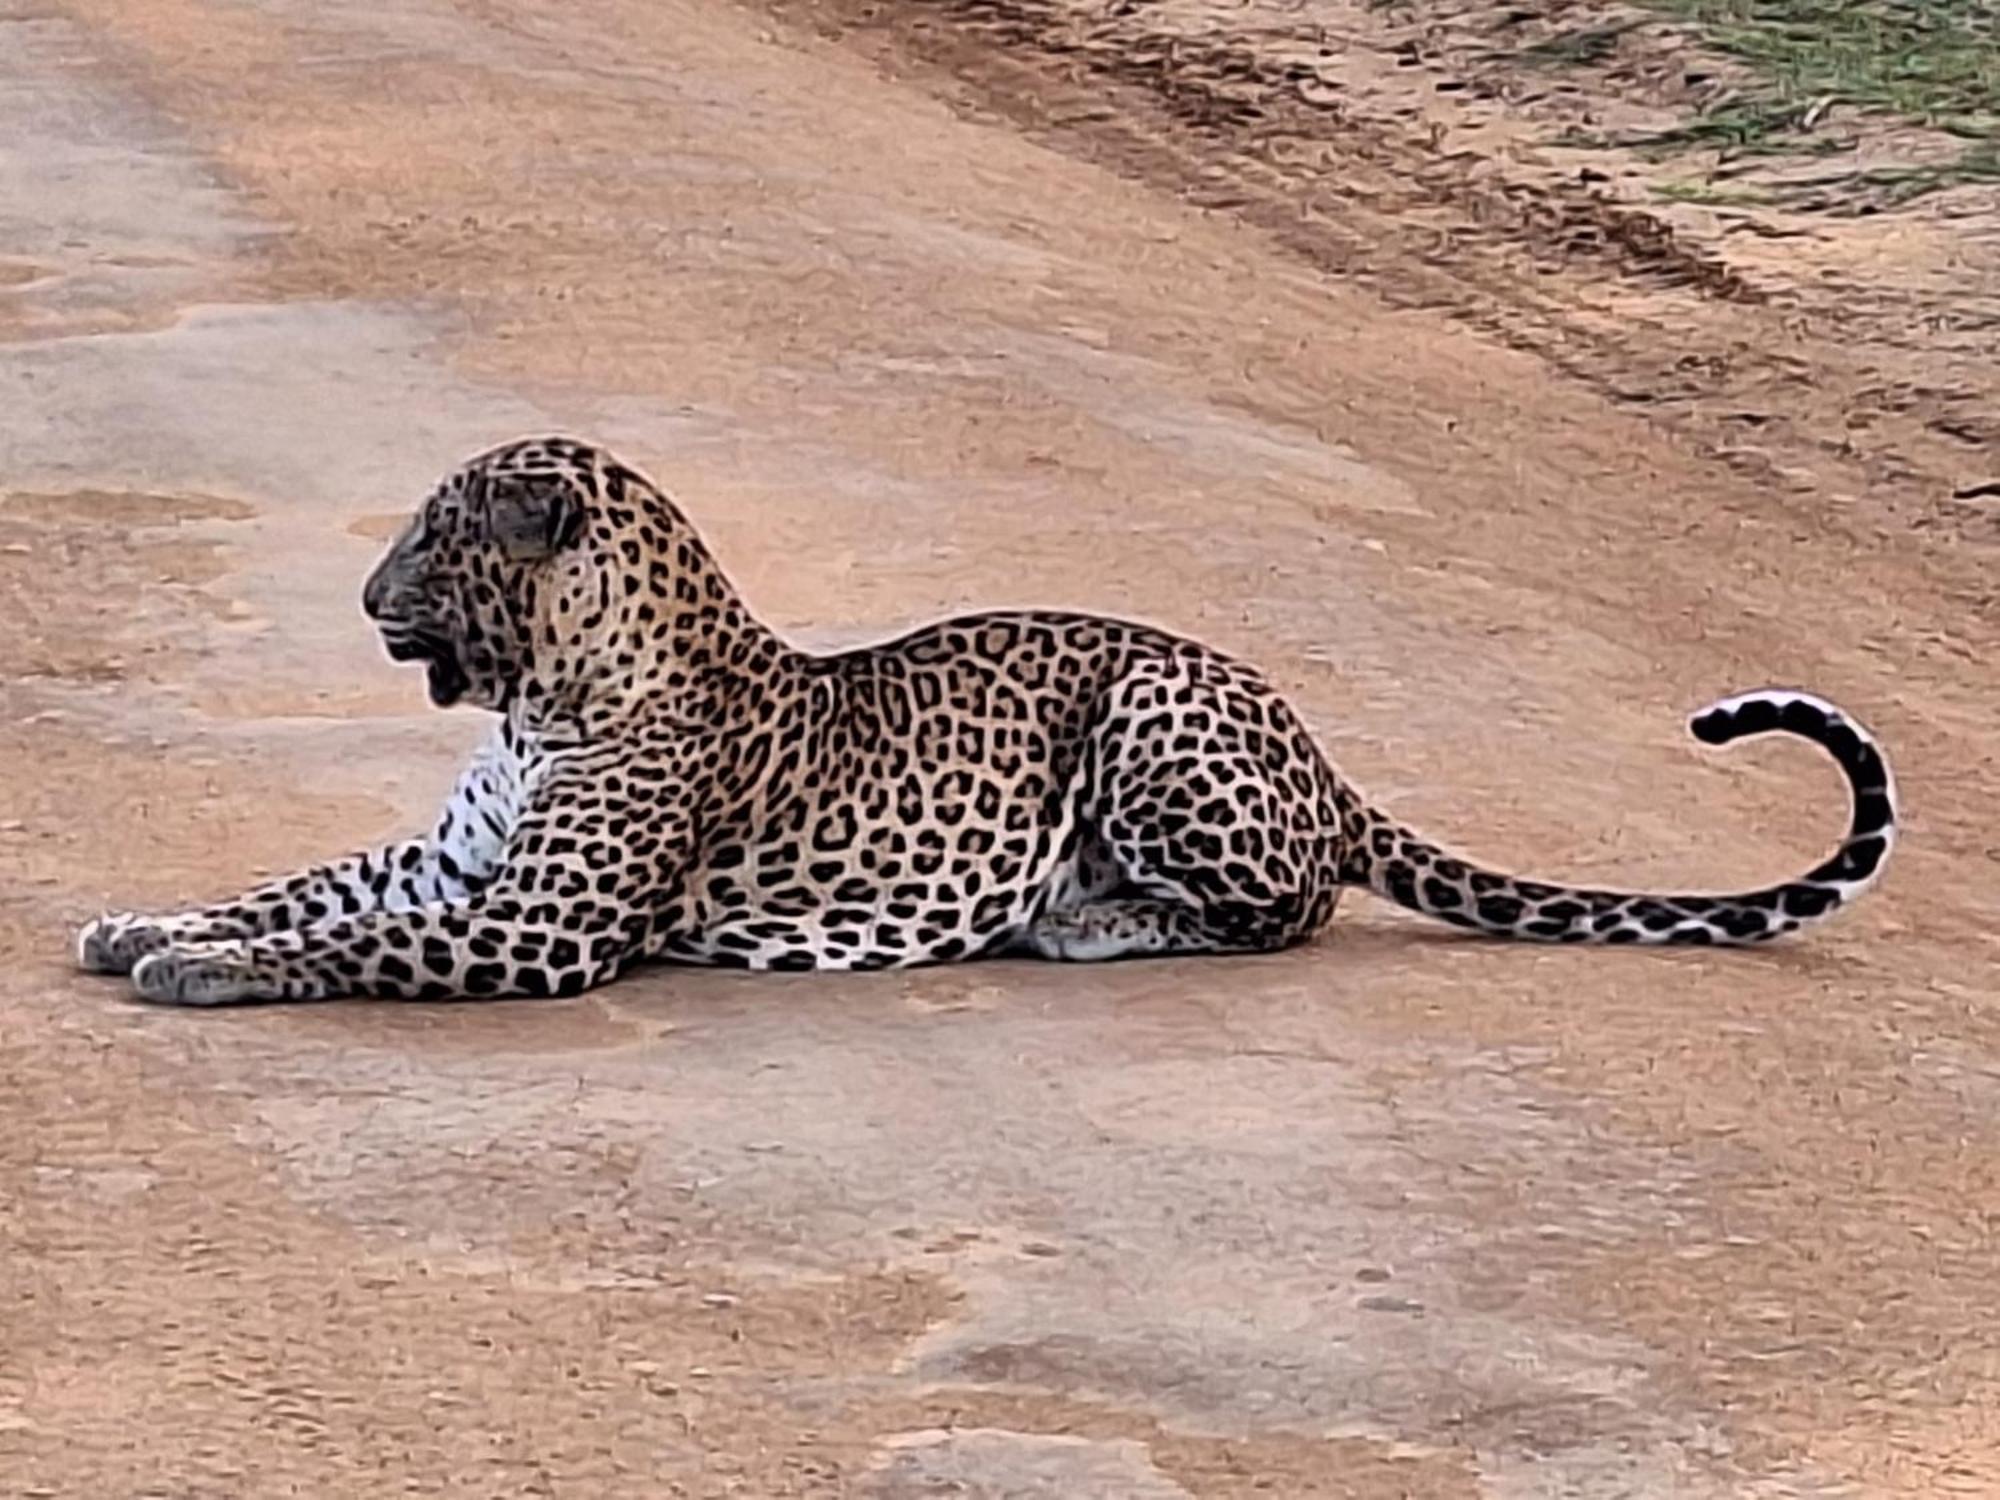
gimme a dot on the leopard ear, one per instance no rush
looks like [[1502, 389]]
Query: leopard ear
[[530, 516]]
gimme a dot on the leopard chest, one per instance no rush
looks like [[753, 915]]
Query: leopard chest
[[484, 807]]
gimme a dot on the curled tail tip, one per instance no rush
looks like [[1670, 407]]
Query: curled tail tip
[[1827, 725], [1797, 713], [1767, 709]]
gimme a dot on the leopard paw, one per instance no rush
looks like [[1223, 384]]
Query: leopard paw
[[116, 941], [199, 976]]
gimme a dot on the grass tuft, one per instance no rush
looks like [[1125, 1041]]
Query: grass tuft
[[1934, 63]]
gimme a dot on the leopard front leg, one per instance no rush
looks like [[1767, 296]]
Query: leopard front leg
[[404, 874], [576, 902], [451, 864], [479, 949]]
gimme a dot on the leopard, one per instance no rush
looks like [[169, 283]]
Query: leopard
[[667, 779]]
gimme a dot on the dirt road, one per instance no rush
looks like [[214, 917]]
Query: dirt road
[[1395, 1215]]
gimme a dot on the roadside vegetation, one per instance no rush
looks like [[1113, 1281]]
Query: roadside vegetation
[[1816, 76]]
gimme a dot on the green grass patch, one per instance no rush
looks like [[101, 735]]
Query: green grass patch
[[1928, 60], [1934, 63]]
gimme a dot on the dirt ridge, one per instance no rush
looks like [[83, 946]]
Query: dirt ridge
[[1282, 116]]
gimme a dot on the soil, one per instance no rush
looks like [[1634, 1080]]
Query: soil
[[919, 308]]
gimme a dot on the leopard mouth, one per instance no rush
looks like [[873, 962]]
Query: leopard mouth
[[446, 680], [443, 676]]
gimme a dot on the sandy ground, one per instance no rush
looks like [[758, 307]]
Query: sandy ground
[[1394, 1215]]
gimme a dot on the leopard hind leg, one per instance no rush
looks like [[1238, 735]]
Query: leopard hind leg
[[1139, 926], [1201, 839]]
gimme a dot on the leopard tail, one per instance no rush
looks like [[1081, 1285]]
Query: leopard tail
[[1396, 863]]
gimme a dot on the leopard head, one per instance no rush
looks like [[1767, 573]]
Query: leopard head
[[458, 589]]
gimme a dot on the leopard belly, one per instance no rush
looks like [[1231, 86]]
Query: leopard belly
[[894, 897]]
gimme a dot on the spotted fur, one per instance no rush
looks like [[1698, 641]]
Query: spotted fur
[[668, 779]]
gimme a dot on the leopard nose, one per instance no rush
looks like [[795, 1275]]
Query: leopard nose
[[375, 593]]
